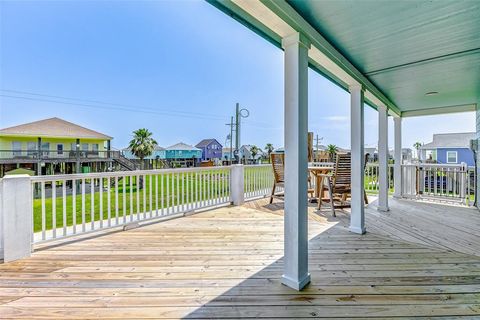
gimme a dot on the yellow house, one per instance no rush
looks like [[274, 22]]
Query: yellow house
[[53, 146]]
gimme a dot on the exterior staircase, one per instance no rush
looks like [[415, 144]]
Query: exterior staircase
[[124, 162]]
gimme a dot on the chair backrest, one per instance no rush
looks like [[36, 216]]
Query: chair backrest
[[343, 173], [278, 164]]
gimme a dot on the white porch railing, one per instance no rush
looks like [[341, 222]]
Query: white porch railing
[[258, 181], [69, 205], [371, 177], [445, 182], [46, 208]]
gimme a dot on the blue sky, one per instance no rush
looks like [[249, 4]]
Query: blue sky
[[174, 67]]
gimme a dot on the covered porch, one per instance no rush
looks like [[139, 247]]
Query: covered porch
[[228, 262], [417, 259]]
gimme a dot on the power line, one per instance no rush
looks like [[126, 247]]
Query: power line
[[145, 110], [102, 102]]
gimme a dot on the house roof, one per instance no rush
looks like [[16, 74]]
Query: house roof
[[183, 147], [156, 148], [206, 142], [450, 140], [53, 127]]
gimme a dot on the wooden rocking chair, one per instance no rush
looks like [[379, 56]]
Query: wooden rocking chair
[[339, 183], [278, 165]]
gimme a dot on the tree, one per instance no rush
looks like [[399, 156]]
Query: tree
[[142, 146], [269, 149], [332, 150], [417, 146], [254, 150]]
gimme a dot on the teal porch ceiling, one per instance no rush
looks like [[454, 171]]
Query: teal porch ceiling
[[406, 48]]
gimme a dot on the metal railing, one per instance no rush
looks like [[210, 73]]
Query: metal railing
[[68, 205]]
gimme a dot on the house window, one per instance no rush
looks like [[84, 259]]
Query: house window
[[95, 148], [31, 148], [59, 149], [451, 156], [16, 148], [84, 146], [45, 147]]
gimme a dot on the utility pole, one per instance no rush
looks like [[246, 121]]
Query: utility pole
[[317, 140], [237, 127], [231, 138], [239, 114]]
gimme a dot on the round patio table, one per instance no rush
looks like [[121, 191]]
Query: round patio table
[[319, 174]]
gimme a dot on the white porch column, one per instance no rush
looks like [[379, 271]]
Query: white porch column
[[357, 217], [16, 217], [397, 169], [477, 193], [296, 274], [237, 195], [383, 158]]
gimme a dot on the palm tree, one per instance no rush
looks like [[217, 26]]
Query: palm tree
[[269, 149], [254, 150], [142, 146], [417, 146], [332, 150]]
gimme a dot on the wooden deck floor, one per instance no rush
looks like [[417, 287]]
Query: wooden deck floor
[[227, 263]]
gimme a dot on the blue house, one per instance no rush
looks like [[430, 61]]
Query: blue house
[[182, 151], [158, 153], [449, 148], [227, 154], [211, 149]]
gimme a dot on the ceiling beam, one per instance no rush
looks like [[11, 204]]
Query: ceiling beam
[[440, 110], [420, 62]]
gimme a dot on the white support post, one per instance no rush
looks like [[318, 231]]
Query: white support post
[[477, 183], [397, 169], [357, 216], [383, 158], [237, 184], [296, 274], [16, 215]]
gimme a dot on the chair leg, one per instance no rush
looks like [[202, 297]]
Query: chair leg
[[330, 192], [273, 193], [365, 196]]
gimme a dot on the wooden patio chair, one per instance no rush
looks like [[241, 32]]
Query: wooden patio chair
[[339, 185], [278, 164]]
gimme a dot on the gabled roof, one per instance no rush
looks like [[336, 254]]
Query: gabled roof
[[183, 147], [206, 142], [450, 140], [53, 127]]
